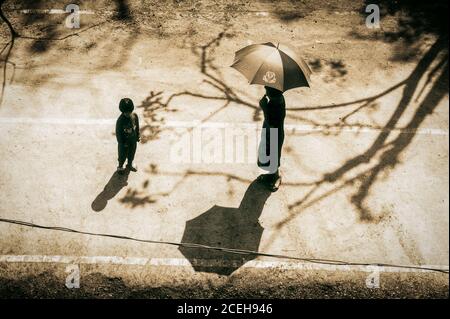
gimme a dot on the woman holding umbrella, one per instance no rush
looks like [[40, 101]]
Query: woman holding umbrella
[[278, 70]]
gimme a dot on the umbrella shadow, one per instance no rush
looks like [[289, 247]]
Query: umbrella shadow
[[111, 189], [226, 227]]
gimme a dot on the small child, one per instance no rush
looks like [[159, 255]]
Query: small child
[[127, 134]]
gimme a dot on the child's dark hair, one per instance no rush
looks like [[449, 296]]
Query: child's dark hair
[[126, 105], [271, 92]]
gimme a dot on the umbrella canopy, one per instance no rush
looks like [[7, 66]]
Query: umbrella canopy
[[268, 65]]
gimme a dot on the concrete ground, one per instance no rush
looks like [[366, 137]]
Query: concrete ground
[[365, 162]]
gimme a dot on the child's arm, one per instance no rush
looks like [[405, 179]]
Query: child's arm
[[138, 132], [119, 131]]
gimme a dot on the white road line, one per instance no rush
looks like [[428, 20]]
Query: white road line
[[180, 262], [289, 128], [52, 11], [257, 13], [55, 121]]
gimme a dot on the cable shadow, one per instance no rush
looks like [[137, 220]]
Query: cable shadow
[[111, 189], [232, 228]]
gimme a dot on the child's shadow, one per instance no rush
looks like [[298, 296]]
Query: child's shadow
[[115, 184]]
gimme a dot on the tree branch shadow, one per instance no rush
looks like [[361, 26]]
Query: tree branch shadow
[[214, 78], [388, 153], [382, 156], [8, 47], [42, 38]]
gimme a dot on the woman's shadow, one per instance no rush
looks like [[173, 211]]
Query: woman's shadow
[[114, 185], [226, 227]]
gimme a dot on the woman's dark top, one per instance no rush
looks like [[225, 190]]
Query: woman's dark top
[[274, 110]]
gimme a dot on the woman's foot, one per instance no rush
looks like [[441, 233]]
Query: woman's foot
[[265, 178], [131, 167], [276, 184], [271, 181], [120, 170]]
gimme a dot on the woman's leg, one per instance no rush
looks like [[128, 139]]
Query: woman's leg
[[280, 142]]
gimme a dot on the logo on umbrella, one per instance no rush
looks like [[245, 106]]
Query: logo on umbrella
[[270, 77]]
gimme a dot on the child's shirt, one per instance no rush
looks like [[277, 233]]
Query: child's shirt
[[127, 128]]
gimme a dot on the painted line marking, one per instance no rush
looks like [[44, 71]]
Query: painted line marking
[[289, 128], [52, 11], [258, 13], [181, 262]]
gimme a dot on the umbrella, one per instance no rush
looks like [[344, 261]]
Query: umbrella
[[268, 65]]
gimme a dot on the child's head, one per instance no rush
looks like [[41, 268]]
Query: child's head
[[126, 106]]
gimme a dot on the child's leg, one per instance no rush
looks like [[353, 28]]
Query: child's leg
[[131, 153], [122, 150]]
